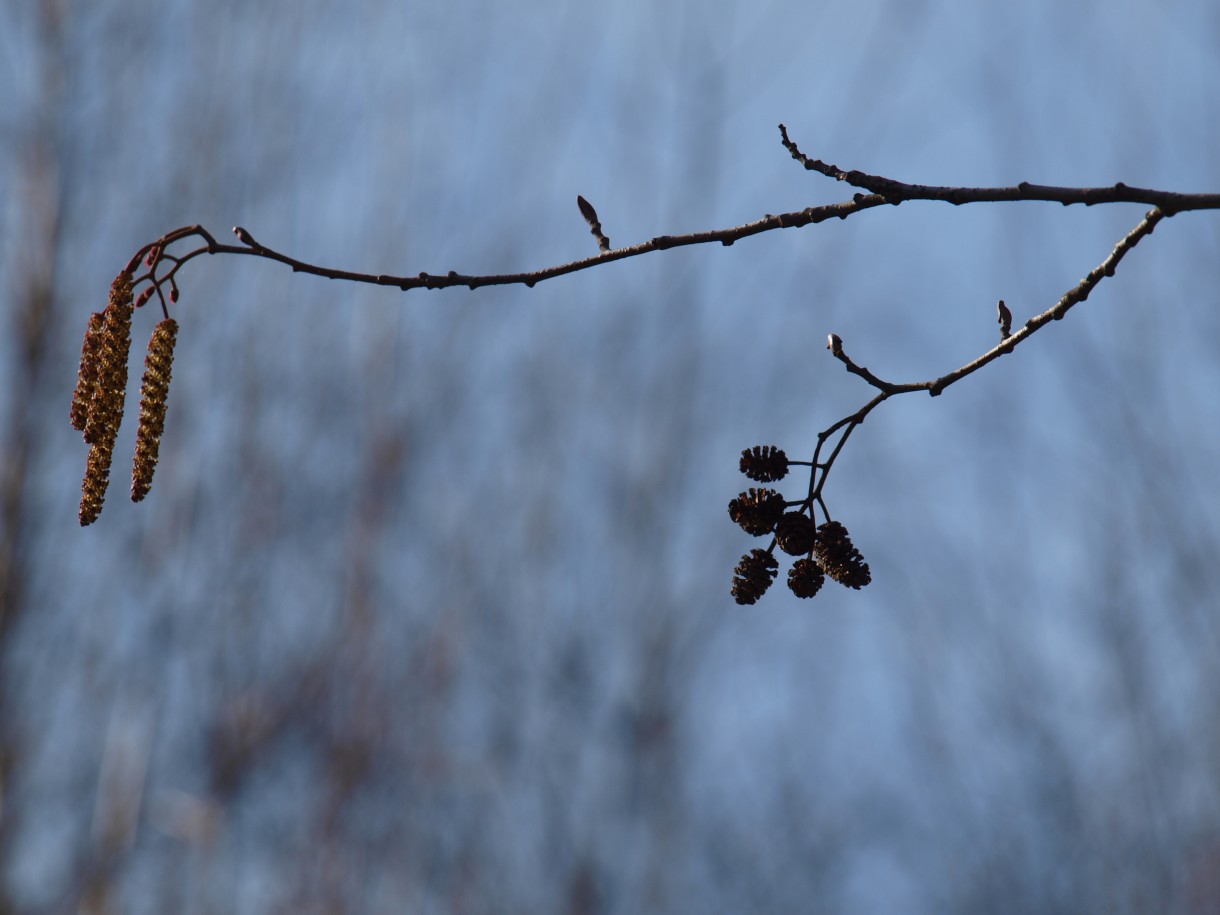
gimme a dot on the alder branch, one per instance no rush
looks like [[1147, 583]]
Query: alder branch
[[826, 550], [883, 191]]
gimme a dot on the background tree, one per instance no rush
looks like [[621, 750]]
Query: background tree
[[429, 607]]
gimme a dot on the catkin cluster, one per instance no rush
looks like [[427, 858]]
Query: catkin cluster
[[824, 551], [101, 391]]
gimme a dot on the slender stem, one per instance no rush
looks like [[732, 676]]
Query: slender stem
[[935, 386]]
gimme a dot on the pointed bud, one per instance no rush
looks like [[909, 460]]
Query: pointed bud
[[595, 226], [1005, 320], [587, 211]]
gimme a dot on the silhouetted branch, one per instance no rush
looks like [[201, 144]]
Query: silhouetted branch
[[895, 192], [826, 549], [750, 588], [883, 191]]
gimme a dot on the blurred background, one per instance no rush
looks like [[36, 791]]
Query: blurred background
[[428, 610]]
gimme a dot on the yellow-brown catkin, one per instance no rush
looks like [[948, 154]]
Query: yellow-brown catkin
[[154, 390], [86, 378], [113, 346], [105, 409], [97, 477]]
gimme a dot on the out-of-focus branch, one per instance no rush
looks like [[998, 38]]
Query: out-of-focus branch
[[30, 330]]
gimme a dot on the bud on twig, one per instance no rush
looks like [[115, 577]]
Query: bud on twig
[[1005, 320], [587, 211], [595, 226]]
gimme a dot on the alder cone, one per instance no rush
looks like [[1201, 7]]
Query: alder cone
[[795, 533], [805, 578], [757, 511], [754, 575], [839, 558], [764, 463]]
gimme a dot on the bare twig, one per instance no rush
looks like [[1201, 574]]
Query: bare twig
[[1073, 296], [883, 191], [895, 192], [837, 434]]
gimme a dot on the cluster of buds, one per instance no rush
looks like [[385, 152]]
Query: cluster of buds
[[101, 392], [824, 551]]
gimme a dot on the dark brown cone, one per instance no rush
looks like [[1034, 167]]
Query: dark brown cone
[[805, 578], [86, 377], [754, 575], [757, 511], [839, 558], [764, 463], [114, 344], [154, 391], [795, 534]]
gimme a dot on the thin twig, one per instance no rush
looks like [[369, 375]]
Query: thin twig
[[1169, 202], [883, 191], [887, 389], [1072, 297]]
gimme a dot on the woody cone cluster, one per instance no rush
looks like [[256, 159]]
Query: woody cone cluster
[[825, 551]]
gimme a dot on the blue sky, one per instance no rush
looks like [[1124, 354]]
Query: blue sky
[[501, 514]]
